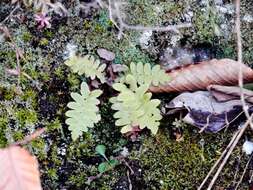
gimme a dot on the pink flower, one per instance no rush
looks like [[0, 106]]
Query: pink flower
[[43, 20]]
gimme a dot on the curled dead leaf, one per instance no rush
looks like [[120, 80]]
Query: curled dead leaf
[[200, 76], [226, 93], [205, 112], [18, 169]]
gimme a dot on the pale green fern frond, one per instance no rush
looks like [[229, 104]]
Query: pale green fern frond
[[88, 66], [144, 74], [134, 106], [84, 111]]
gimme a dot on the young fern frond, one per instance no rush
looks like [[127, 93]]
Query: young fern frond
[[134, 106], [84, 111], [144, 74], [87, 66]]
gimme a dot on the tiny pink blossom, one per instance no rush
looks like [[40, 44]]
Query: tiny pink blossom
[[43, 20]]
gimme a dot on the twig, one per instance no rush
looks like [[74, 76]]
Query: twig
[[241, 131], [218, 161], [29, 138], [127, 165], [236, 117], [116, 18], [244, 171], [10, 15], [239, 53], [129, 181], [237, 169], [245, 107], [207, 123]]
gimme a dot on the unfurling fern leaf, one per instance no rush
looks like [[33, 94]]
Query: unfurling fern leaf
[[144, 74], [84, 111], [88, 66], [134, 106]]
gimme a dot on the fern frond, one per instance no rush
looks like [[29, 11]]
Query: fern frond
[[134, 106], [84, 111], [88, 66], [144, 74]]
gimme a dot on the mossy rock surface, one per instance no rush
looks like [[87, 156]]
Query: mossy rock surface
[[158, 162]]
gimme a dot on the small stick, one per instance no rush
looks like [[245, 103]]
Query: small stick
[[10, 15], [218, 161], [121, 25], [241, 131], [207, 123], [239, 54], [129, 181], [29, 138], [244, 171]]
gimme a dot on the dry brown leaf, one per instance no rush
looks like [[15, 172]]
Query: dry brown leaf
[[226, 93], [200, 76], [205, 112], [18, 170]]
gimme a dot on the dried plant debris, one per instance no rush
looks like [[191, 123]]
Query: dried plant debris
[[18, 169], [226, 93], [106, 54], [200, 76], [205, 112]]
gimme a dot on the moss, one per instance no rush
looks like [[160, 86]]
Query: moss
[[168, 164], [31, 96], [206, 24], [59, 72], [73, 81], [54, 125], [26, 117], [48, 33], [52, 172], [3, 125], [165, 163], [27, 36], [18, 135], [87, 25], [8, 94], [54, 156], [43, 42], [38, 148]]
